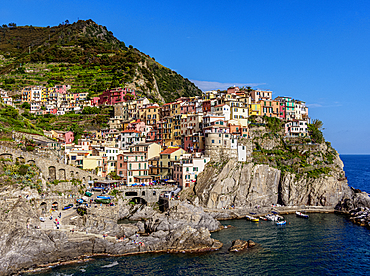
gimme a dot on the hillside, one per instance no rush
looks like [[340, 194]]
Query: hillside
[[86, 56]]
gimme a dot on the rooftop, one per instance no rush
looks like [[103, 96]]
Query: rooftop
[[170, 150]]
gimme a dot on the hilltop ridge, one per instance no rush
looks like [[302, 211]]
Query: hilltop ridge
[[88, 57]]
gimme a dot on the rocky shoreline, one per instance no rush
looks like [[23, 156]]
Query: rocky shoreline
[[183, 228]]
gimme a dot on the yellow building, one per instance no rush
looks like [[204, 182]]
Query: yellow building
[[167, 159], [255, 109], [93, 163]]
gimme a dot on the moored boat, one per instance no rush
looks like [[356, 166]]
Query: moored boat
[[69, 206], [282, 222], [251, 218], [301, 215], [272, 217], [103, 197], [101, 200]]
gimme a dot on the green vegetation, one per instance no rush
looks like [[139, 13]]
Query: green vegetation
[[315, 131], [20, 174], [10, 119], [114, 175], [91, 118], [273, 124], [318, 172], [88, 57], [302, 159]]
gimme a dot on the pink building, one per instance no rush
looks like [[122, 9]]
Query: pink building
[[116, 95], [233, 90], [137, 125], [95, 101], [62, 89], [188, 107], [69, 137]]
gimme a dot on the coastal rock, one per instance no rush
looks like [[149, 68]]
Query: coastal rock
[[251, 185], [354, 199], [240, 245], [144, 213], [22, 248], [180, 215], [238, 184]]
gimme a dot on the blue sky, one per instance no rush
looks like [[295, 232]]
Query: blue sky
[[316, 51]]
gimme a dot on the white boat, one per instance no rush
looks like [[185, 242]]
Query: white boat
[[301, 215], [272, 217]]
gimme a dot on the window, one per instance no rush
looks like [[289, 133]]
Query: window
[[213, 141]]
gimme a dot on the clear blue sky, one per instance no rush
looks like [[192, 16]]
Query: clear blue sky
[[316, 51]]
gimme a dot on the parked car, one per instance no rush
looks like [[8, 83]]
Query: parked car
[[42, 219]]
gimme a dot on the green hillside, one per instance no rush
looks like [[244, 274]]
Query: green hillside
[[86, 56]]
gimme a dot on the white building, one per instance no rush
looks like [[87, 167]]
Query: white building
[[187, 170], [296, 128], [129, 138], [221, 110]]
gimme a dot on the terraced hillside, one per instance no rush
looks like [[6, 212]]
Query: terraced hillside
[[87, 56]]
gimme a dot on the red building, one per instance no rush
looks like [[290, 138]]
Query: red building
[[116, 95], [206, 106]]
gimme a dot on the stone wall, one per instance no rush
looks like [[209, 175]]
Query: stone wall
[[50, 169]]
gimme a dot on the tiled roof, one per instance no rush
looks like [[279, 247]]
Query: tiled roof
[[169, 150], [130, 131]]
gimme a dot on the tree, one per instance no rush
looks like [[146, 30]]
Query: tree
[[26, 105], [315, 131], [317, 123]]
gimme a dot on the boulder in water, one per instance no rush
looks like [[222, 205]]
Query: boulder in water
[[240, 245]]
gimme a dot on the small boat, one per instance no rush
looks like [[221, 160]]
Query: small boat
[[252, 218], [69, 206], [271, 217], [282, 222], [263, 218], [103, 197], [101, 200], [301, 215]]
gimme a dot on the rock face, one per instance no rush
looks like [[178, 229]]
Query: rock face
[[353, 200], [238, 184], [248, 185], [240, 245], [182, 214], [22, 248]]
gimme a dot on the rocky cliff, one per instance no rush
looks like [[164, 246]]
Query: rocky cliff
[[275, 173]]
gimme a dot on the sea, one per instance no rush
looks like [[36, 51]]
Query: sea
[[324, 244]]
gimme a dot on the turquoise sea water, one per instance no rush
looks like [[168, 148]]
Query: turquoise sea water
[[325, 244]]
